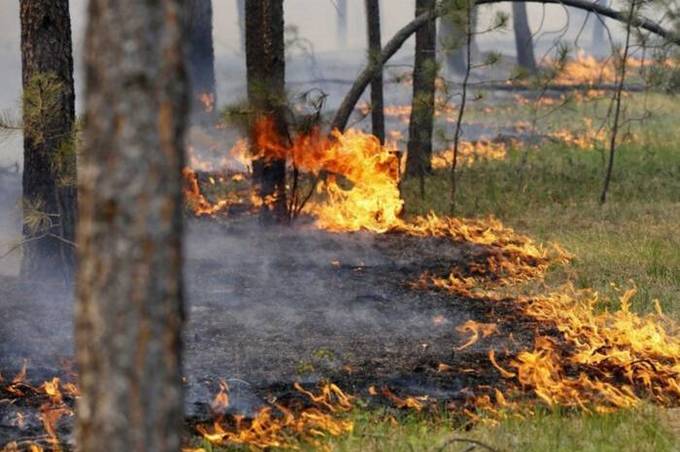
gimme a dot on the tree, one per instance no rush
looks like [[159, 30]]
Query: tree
[[524, 40], [241, 11], [266, 69], [341, 22], [129, 288], [599, 30], [374, 49], [419, 148], [201, 63], [393, 45], [452, 37], [49, 177]]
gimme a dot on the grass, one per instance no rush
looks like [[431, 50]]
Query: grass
[[643, 429], [551, 193]]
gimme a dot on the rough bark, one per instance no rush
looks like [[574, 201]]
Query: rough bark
[[524, 41], [49, 176], [129, 293], [266, 68], [393, 45], [341, 22], [201, 61], [419, 148], [374, 48]]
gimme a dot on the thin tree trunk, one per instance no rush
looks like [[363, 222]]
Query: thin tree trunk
[[452, 38], [241, 10], [524, 41], [201, 62], [393, 45], [129, 297], [266, 68], [341, 23], [599, 31], [374, 49], [618, 95], [49, 178], [419, 149]]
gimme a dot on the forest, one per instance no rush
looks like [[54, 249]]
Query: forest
[[372, 225]]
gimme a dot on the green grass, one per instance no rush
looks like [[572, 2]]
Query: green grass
[[643, 429], [551, 194]]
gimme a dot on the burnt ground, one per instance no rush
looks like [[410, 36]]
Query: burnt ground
[[269, 307]]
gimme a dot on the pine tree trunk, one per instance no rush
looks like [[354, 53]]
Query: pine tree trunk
[[201, 62], [419, 150], [129, 294], [49, 178], [241, 11], [266, 69], [341, 24], [524, 41], [452, 39], [599, 31], [374, 49]]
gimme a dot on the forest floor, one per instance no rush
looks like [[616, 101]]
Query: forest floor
[[551, 192], [340, 288]]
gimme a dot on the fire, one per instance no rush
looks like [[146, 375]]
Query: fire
[[51, 394], [471, 152], [475, 329], [275, 426]]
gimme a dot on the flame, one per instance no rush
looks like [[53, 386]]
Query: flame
[[269, 429], [471, 152], [474, 329]]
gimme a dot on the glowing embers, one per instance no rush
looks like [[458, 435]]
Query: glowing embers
[[311, 419]]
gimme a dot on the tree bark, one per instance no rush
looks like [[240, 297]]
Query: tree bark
[[201, 61], [419, 149], [524, 41], [49, 178], [393, 45], [266, 68], [341, 23], [374, 48], [129, 294]]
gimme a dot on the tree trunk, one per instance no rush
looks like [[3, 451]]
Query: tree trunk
[[49, 178], [374, 49], [393, 45], [524, 41], [419, 150], [266, 68], [201, 61], [129, 296], [599, 44], [341, 23], [241, 10], [452, 39]]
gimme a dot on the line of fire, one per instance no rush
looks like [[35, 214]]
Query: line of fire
[[439, 225]]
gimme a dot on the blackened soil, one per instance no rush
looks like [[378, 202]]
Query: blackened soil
[[268, 307]]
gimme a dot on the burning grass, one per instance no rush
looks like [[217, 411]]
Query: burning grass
[[583, 357]]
